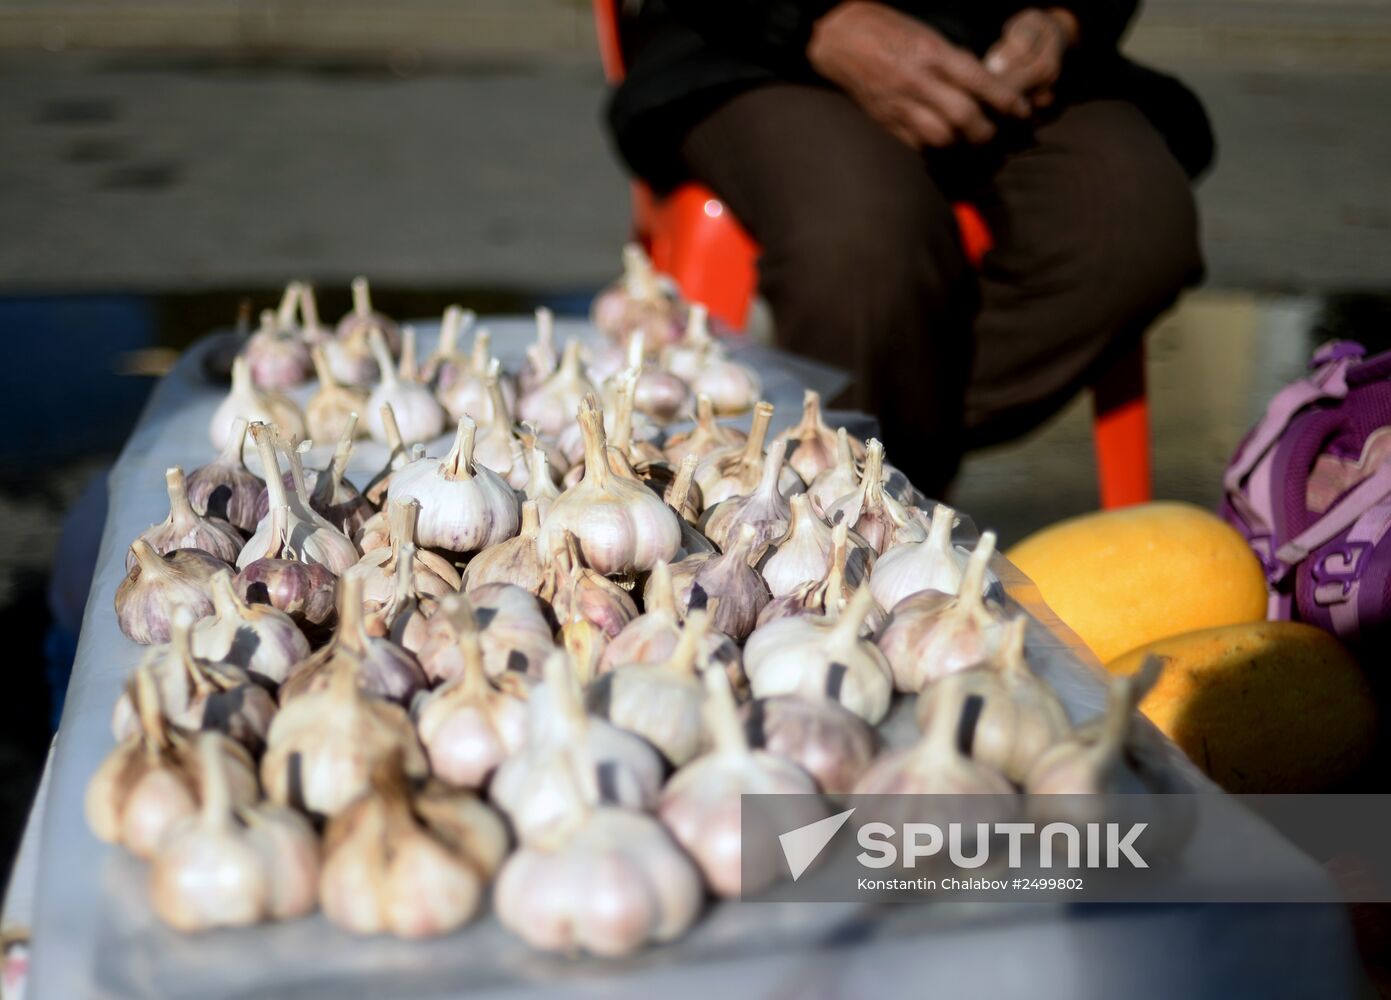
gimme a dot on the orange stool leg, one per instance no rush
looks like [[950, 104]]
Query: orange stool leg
[[697, 240], [1121, 432]]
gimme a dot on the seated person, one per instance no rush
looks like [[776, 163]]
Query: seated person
[[840, 134]]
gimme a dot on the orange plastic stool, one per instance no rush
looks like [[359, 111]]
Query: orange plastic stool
[[694, 237]]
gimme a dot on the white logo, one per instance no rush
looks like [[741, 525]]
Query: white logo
[[804, 845]]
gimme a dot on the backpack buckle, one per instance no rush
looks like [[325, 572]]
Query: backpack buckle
[[1336, 572]]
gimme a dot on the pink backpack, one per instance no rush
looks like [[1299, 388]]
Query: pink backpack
[[1310, 488]]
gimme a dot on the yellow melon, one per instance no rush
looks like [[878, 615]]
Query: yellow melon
[[1269, 707], [1123, 578]]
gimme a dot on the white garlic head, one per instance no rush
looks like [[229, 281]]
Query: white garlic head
[[514, 632], [324, 746], [247, 402], [329, 411], [932, 564], [802, 553], [621, 525], [822, 658], [410, 864], [707, 435], [419, 417], [839, 479], [229, 866], [551, 405], [701, 803], [822, 737], [516, 561], [464, 506]]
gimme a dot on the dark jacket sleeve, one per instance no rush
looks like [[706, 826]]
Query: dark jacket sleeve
[[1102, 22]]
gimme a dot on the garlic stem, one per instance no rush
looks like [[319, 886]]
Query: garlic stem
[[409, 371], [846, 631], [289, 301], [722, 714], [387, 370], [698, 324], [570, 360], [308, 307], [450, 326], [322, 371], [343, 451], [939, 532], [232, 450], [179, 506], [295, 455], [146, 557], [623, 414], [660, 593], [545, 329], [758, 431], [261, 434], [501, 416], [563, 693], [681, 485], [352, 627], [153, 726], [362, 297], [596, 465], [458, 463], [683, 657], [531, 519], [394, 440], [973, 578], [401, 522], [1010, 653], [217, 797], [482, 356]]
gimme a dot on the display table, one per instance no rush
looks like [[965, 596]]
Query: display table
[[94, 933]]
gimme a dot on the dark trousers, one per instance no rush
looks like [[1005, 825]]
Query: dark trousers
[[1095, 234]]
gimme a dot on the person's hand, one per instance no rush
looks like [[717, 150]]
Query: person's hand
[[908, 78], [1029, 54]]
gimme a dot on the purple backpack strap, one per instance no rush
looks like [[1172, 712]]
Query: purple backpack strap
[[1340, 517], [1328, 381]]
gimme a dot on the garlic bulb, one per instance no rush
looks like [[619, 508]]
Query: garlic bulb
[[656, 393], [306, 536], [517, 561], [661, 702], [930, 635], [404, 616], [323, 746], [839, 479], [382, 668], [848, 565], [464, 506], [732, 387], [349, 359], [801, 554], [431, 575], [255, 406], [1020, 716], [278, 358], [496, 444], [541, 357], [735, 470], [821, 657], [230, 867], [728, 587], [153, 779], [411, 864], [765, 507], [364, 319], [687, 356], [608, 881], [622, 526], [517, 639], [811, 446], [652, 637], [706, 436], [257, 638], [199, 694], [701, 803], [935, 765], [157, 585], [225, 488], [184, 528], [398, 455], [448, 361], [329, 410], [551, 405], [418, 416], [471, 725], [822, 737], [1093, 760], [932, 564], [870, 512], [590, 608], [303, 590], [334, 498], [534, 788], [540, 484], [636, 301]]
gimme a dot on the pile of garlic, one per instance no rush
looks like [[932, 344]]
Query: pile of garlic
[[552, 653]]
